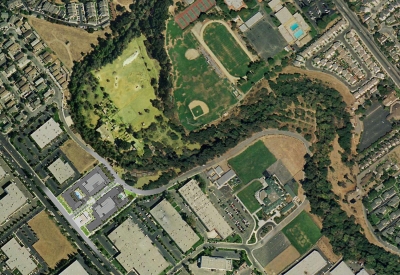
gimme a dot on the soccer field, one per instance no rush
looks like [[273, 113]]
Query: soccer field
[[226, 49], [247, 196], [252, 162], [302, 232]]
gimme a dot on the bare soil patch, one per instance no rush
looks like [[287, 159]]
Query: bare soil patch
[[326, 248], [290, 150], [192, 54], [282, 261], [82, 160], [124, 3], [52, 246], [327, 79], [67, 42]]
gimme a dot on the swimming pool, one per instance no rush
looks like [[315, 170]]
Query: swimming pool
[[298, 34], [78, 195], [294, 26]]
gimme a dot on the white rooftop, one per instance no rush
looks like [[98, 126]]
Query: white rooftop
[[74, 269], [206, 211], [61, 171], [283, 15], [275, 5], [310, 265], [174, 225], [11, 202], [362, 272], [18, 257], [215, 263], [234, 4], [342, 269], [46, 133]]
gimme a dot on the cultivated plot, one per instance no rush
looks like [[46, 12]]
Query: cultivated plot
[[252, 162], [196, 84], [375, 125], [52, 246], [265, 38], [226, 49], [302, 232], [247, 196]]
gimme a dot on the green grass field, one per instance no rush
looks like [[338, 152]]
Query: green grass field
[[196, 80], [252, 162], [247, 196], [302, 232], [226, 49]]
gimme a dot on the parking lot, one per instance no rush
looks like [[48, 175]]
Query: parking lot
[[375, 125]]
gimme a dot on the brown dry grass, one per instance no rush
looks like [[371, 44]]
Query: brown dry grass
[[124, 3], [82, 160], [290, 150], [56, 37], [326, 248], [327, 79], [52, 246], [288, 256]]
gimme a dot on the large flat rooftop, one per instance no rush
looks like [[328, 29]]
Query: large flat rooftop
[[310, 265], [74, 269], [61, 171], [172, 222], [11, 201], [206, 211], [18, 257], [46, 133], [136, 250], [216, 263]]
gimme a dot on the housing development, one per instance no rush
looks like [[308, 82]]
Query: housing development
[[199, 137]]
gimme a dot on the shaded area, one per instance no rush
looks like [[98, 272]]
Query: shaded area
[[375, 125]]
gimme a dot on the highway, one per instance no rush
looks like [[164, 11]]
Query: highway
[[368, 40]]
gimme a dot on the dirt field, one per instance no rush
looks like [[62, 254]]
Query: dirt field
[[124, 3], [329, 80], [282, 261], [326, 249], [56, 37], [82, 161], [192, 54], [290, 150], [52, 246]]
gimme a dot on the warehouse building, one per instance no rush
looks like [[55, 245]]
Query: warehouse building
[[18, 257], [46, 133], [309, 265], [11, 200], [215, 263], [74, 269], [341, 269], [61, 171], [206, 211]]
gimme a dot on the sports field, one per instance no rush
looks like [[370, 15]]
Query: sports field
[[252, 162], [52, 246], [195, 80], [247, 196], [302, 232], [226, 49], [127, 81]]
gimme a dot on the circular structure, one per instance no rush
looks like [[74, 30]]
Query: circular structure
[[191, 54], [198, 108]]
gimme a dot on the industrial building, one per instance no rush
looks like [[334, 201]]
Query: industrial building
[[10, 201], [46, 133], [309, 265], [172, 222], [61, 171], [215, 263], [18, 257], [136, 250], [341, 269], [74, 269], [206, 211]]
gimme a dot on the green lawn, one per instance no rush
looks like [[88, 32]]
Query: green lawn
[[226, 49], [64, 204], [247, 196], [252, 162], [302, 232], [196, 80]]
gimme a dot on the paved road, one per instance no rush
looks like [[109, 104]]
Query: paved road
[[368, 40], [20, 162]]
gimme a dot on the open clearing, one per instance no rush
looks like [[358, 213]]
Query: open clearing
[[326, 248], [52, 246], [282, 261], [67, 42], [247, 196], [195, 80], [251, 163], [192, 54], [302, 232], [327, 79], [82, 160], [124, 3], [290, 151], [226, 49]]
